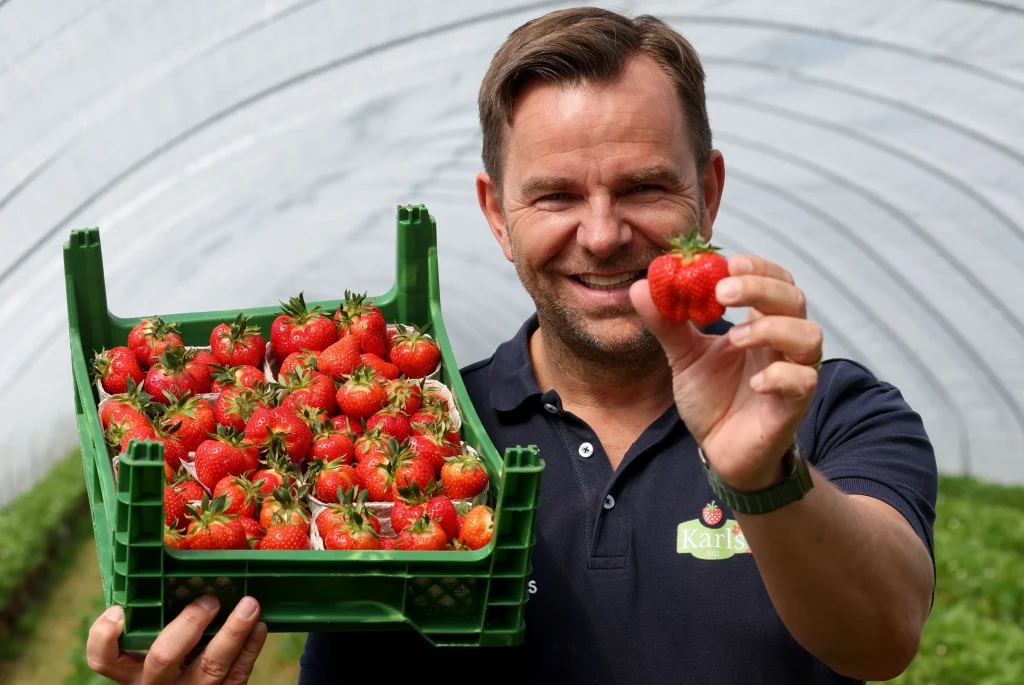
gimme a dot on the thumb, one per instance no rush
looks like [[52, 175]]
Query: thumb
[[678, 340]]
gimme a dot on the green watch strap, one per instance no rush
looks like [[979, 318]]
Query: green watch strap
[[790, 489]]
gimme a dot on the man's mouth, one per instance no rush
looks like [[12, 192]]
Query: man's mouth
[[610, 281]]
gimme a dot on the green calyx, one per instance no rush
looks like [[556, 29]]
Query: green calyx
[[355, 305], [362, 376], [421, 526], [210, 511], [158, 329], [465, 461], [230, 436], [413, 335], [290, 501], [174, 359], [412, 495], [298, 311], [133, 397], [691, 245], [239, 331], [185, 405], [358, 525]]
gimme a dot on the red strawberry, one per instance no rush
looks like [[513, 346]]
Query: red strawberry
[[311, 416], [242, 495], [220, 456], [423, 536], [310, 388], [169, 378], [303, 359], [151, 338], [224, 377], [441, 510], [389, 543], [432, 397], [347, 425], [175, 450], [375, 474], [174, 539], [429, 418], [405, 395], [115, 367], [132, 400], [190, 489], [235, 406], [284, 536], [237, 343], [391, 422], [477, 527], [464, 476], [362, 395], [434, 447], [279, 470], [200, 365], [266, 423], [253, 532], [329, 478], [410, 504], [130, 427], [364, 321], [196, 417], [415, 353], [391, 335], [284, 507], [174, 508], [355, 534], [683, 280], [384, 369], [335, 515], [330, 444], [711, 514], [299, 327], [407, 468], [340, 359], [373, 441], [213, 529]]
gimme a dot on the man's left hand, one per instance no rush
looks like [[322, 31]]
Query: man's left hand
[[743, 395]]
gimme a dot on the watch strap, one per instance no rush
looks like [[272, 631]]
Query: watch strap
[[791, 488]]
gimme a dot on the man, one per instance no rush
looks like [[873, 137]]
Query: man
[[597, 149]]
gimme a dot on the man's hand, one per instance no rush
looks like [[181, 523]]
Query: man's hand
[[227, 660], [743, 395]]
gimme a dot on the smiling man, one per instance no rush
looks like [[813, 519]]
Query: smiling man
[[719, 506]]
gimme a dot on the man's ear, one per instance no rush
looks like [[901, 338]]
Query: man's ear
[[714, 181], [487, 195]]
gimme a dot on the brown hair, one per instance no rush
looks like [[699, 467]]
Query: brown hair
[[587, 45]]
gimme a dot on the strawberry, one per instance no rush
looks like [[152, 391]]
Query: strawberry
[[347, 425], [196, 417], [235, 406], [355, 534], [331, 478], [174, 539], [463, 476], [284, 507], [220, 456], [415, 353], [284, 536], [407, 468], [175, 450], [712, 514], [330, 444], [253, 532], [174, 508], [389, 543], [237, 343], [199, 365], [432, 397], [362, 395], [130, 427], [132, 400], [213, 529], [311, 416], [266, 423], [151, 338], [335, 515], [391, 335], [427, 419], [405, 395], [279, 470], [168, 377], [242, 495], [441, 510], [384, 369], [477, 527], [299, 327], [224, 377], [683, 280], [310, 388], [373, 441], [303, 359], [360, 319], [115, 367], [340, 359], [374, 471], [410, 504], [434, 447], [423, 535], [391, 422], [189, 488]]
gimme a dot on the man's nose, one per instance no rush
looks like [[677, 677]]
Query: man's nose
[[601, 231]]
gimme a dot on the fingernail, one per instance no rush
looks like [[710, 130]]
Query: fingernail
[[757, 382], [209, 602], [728, 289], [259, 631], [246, 608], [114, 615], [739, 334], [742, 265]]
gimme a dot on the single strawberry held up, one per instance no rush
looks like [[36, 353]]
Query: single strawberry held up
[[477, 527], [683, 280]]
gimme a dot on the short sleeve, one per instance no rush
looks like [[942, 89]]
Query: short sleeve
[[864, 437]]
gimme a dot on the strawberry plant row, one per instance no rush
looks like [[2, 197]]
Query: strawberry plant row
[[320, 414]]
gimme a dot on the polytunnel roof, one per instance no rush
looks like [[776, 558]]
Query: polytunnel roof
[[234, 153]]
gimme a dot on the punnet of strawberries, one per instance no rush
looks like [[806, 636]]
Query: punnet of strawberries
[[309, 441]]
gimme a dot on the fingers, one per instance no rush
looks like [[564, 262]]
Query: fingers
[[798, 339], [176, 640], [215, 662], [793, 381], [749, 265], [242, 668], [767, 295], [678, 340], [103, 653]]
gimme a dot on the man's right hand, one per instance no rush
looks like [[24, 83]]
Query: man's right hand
[[227, 660]]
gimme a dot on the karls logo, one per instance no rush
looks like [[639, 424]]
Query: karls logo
[[709, 537]]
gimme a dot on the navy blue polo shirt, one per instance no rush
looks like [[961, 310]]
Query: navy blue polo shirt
[[634, 580]]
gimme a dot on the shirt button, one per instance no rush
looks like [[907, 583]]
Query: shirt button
[[550, 408], [586, 449], [609, 502]]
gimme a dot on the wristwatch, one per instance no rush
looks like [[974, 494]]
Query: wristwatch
[[793, 486]]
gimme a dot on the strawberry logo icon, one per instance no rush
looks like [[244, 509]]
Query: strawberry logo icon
[[711, 514], [736, 530]]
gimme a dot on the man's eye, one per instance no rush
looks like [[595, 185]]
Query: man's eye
[[644, 189], [557, 196]]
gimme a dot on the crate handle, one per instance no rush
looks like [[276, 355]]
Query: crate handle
[[416, 247]]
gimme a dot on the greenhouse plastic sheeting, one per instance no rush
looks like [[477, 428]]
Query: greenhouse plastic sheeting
[[233, 153]]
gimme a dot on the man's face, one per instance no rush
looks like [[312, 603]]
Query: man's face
[[596, 179]]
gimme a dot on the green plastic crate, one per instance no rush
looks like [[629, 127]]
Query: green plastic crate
[[452, 598]]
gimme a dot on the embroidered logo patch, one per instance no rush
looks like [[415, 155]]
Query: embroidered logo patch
[[709, 537]]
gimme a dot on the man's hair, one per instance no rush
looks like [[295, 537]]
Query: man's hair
[[587, 46]]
